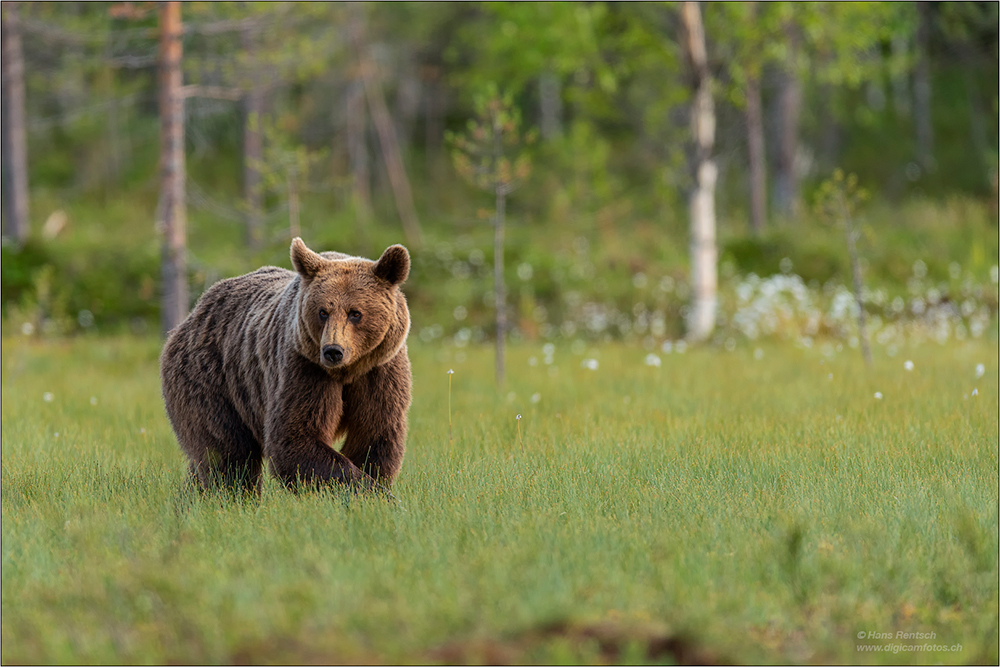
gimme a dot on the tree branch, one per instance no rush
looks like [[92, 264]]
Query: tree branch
[[214, 92]]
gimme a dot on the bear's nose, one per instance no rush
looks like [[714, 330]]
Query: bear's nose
[[334, 354]]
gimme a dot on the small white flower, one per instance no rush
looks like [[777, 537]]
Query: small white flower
[[975, 392], [878, 396], [532, 361], [908, 365], [93, 400], [27, 328], [589, 363], [668, 346], [536, 397], [653, 360], [47, 397], [142, 431], [980, 370], [451, 371], [758, 354], [830, 376], [519, 417], [57, 434]]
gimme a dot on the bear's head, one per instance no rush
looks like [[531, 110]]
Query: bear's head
[[352, 316]]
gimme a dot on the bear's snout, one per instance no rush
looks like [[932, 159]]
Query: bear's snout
[[333, 354]]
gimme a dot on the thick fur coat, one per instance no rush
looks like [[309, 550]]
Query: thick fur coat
[[277, 365]]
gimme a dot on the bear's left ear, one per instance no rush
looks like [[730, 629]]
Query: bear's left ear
[[394, 265], [305, 261]]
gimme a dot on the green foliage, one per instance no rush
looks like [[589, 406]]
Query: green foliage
[[813, 259], [839, 198], [614, 181], [20, 268], [564, 39], [490, 153], [644, 511]]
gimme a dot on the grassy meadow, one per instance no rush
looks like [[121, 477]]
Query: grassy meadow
[[759, 505]]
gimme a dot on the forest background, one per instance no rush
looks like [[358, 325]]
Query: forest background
[[338, 122]]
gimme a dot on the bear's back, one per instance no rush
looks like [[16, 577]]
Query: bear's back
[[235, 311]]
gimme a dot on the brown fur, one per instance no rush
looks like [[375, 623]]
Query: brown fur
[[245, 377]]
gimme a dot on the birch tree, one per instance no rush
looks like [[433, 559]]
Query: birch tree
[[172, 169], [704, 253], [489, 155]]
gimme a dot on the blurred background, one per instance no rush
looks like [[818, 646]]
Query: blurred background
[[357, 125]]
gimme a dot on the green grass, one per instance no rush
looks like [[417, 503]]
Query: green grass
[[718, 507]]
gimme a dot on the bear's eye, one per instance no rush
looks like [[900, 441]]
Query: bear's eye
[[354, 316], [323, 315]]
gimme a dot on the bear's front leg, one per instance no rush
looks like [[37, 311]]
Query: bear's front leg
[[299, 436], [310, 463], [374, 417]]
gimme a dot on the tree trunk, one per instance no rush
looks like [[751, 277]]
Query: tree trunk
[[433, 116], [15, 150], [253, 151], [900, 83], [755, 149], [976, 106], [704, 254], [499, 287], [852, 250], [172, 173], [292, 188], [387, 139], [550, 99], [357, 154], [922, 90], [786, 186]]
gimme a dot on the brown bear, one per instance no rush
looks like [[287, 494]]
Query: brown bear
[[278, 365]]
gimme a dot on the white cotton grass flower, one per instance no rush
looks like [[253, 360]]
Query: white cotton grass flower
[[975, 392], [536, 397], [48, 397], [758, 354], [980, 370], [653, 360], [878, 396], [589, 363], [908, 365], [93, 400]]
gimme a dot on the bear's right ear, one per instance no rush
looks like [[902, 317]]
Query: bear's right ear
[[305, 261], [394, 265]]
